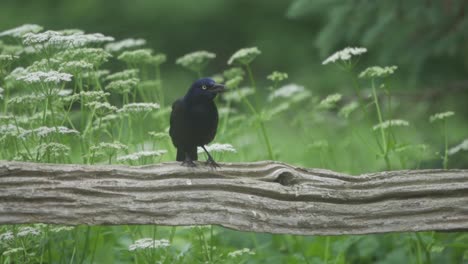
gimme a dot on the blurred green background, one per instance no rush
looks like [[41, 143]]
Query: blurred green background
[[427, 40]]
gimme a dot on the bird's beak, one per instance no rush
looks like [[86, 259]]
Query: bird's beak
[[218, 88]]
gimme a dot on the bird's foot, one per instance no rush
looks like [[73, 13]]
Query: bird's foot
[[189, 163], [212, 164]]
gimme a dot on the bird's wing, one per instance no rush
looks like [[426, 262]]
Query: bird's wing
[[177, 122]]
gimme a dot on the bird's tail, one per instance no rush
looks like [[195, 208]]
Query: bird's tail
[[192, 152]]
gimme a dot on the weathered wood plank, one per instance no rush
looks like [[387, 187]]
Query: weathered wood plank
[[262, 197]]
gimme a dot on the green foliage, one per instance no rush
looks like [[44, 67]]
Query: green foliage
[[88, 104]]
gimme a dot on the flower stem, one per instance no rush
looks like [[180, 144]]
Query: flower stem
[[446, 145], [382, 131]]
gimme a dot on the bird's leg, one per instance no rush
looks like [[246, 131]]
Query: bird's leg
[[188, 162], [210, 162]]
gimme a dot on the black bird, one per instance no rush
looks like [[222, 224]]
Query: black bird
[[194, 121]]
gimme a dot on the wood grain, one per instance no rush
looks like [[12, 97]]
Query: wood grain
[[261, 197]]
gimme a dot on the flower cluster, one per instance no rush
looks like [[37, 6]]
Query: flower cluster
[[196, 61], [330, 101], [277, 76], [142, 154], [21, 30], [390, 123], [123, 86], [63, 40], [286, 91], [148, 243], [238, 253], [136, 57], [139, 108], [244, 56], [46, 131], [441, 116], [124, 44], [216, 147], [45, 77], [459, 147], [123, 75], [377, 72], [346, 110], [344, 54]]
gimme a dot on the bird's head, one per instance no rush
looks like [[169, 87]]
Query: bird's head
[[205, 88]]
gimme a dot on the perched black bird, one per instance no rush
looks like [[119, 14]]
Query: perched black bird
[[194, 121]]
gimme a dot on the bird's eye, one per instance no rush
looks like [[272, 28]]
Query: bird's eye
[[204, 87]]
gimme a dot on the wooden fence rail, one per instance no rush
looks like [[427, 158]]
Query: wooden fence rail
[[262, 197]]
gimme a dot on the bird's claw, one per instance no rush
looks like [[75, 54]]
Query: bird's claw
[[188, 163], [212, 164]]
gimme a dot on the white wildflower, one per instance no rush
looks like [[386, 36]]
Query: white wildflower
[[96, 56], [216, 147], [7, 58], [459, 147], [95, 74], [71, 31], [1, 93], [78, 39], [238, 253], [344, 54], [10, 130], [46, 131], [30, 39], [148, 243], [330, 101], [346, 110], [93, 95], [53, 149], [139, 108], [6, 236], [62, 228], [196, 60], [46, 77], [286, 91], [123, 75], [109, 147], [65, 92], [140, 56], [123, 86], [244, 56], [76, 66], [124, 44], [13, 251], [391, 123], [441, 116], [377, 71], [142, 154], [28, 231], [157, 59], [109, 117], [101, 107], [16, 73], [158, 135], [21, 30], [238, 94], [277, 76], [27, 99]]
